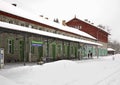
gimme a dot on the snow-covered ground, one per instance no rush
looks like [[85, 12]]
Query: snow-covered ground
[[101, 71]]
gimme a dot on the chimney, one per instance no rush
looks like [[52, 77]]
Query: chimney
[[14, 5], [41, 15], [64, 22], [86, 20], [46, 18]]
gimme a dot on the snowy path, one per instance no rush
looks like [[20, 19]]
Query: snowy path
[[102, 71], [112, 79]]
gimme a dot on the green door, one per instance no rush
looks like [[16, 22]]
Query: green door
[[40, 52], [75, 52], [54, 51], [68, 52], [21, 43]]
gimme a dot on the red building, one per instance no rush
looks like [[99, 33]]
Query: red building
[[96, 32]]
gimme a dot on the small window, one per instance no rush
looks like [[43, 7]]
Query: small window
[[40, 29], [32, 26], [80, 27], [47, 30], [11, 21], [26, 25], [22, 24], [10, 46]]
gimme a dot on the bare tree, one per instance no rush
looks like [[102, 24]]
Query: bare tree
[[104, 28], [115, 45]]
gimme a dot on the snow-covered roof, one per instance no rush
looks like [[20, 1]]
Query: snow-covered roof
[[110, 49], [8, 8], [91, 24], [44, 33], [105, 30]]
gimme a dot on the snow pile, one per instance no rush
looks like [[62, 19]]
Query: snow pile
[[102, 71]]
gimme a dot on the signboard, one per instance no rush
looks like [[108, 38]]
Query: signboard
[[1, 57], [36, 43]]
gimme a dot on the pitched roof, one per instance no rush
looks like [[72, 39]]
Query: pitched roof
[[89, 24], [8, 8], [5, 25]]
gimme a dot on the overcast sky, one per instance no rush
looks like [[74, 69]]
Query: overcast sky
[[105, 12]]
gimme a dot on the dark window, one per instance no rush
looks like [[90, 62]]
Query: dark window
[[10, 46]]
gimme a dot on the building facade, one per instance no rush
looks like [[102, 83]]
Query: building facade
[[100, 34], [26, 37]]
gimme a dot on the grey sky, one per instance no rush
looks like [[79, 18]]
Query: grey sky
[[105, 12]]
